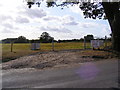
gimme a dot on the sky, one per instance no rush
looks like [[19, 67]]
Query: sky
[[16, 19]]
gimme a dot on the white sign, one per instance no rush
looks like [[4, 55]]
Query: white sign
[[97, 43], [35, 46]]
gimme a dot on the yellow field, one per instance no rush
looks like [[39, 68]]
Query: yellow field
[[25, 49]]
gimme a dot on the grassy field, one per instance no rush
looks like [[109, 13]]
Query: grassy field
[[25, 49]]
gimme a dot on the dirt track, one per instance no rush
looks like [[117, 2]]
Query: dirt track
[[53, 59]]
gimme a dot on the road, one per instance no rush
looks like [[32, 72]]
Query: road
[[100, 74]]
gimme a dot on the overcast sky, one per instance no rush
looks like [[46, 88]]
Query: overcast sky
[[16, 19]]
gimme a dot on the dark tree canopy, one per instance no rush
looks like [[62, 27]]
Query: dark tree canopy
[[20, 39], [46, 38], [88, 38]]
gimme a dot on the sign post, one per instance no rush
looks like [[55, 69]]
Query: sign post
[[35, 45], [97, 43]]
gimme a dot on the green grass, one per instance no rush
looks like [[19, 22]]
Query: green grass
[[66, 46], [18, 51], [24, 49]]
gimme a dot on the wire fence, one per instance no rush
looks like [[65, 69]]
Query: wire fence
[[63, 46], [49, 46], [22, 49]]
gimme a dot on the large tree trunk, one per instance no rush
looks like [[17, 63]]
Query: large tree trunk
[[116, 33], [113, 15]]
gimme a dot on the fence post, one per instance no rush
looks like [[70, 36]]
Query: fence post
[[53, 44], [84, 42], [105, 41], [11, 46]]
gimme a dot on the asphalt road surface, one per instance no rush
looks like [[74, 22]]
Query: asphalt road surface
[[100, 74]]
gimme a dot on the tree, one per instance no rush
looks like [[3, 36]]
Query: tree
[[89, 37], [46, 38], [9, 40], [21, 39], [101, 10], [113, 15]]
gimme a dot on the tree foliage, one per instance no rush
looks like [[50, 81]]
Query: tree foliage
[[20, 39], [88, 38], [46, 38]]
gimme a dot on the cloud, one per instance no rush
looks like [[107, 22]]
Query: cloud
[[69, 20], [21, 20], [88, 25], [4, 18], [33, 13], [6, 30], [77, 10], [58, 29], [7, 25], [49, 18], [65, 20], [15, 13], [68, 17], [70, 23], [105, 31], [1, 5]]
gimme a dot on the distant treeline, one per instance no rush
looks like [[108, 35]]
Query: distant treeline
[[72, 40], [46, 38], [20, 39], [16, 40]]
